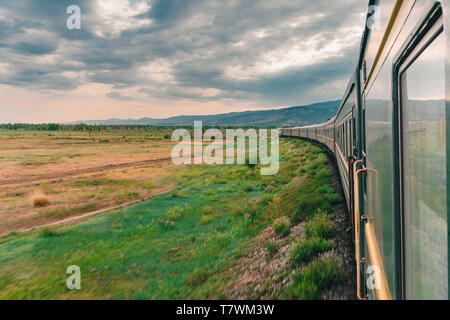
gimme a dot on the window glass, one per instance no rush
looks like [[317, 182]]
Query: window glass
[[350, 144], [346, 138], [425, 175]]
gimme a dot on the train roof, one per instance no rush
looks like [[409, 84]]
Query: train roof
[[330, 121]]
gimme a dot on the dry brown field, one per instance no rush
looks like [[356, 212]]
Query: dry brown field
[[50, 176]]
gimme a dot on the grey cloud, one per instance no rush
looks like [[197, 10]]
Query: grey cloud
[[198, 40], [36, 48], [121, 97]]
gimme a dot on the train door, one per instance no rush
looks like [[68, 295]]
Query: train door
[[422, 162], [351, 160], [360, 198]]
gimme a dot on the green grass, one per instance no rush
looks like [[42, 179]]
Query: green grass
[[272, 249], [176, 246], [316, 277], [319, 226], [282, 229], [304, 251], [63, 212], [197, 278], [206, 219]]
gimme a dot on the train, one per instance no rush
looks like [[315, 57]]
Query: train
[[390, 140]]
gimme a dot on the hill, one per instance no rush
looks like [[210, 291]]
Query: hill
[[293, 116]]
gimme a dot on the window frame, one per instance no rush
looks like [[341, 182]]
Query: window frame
[[430, 27]]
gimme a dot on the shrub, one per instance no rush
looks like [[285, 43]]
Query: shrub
[[132, 194], [48, 232], [334, 198], [207, 210], [40, 201], [319, 226], [219, 180], [147, 185], [252, 213], [304, 251], [305, 290], [206, 219], [197, 278], [308, 205], [266, 199], [272, 249], [325, 189], [175, 213], [178, 194], [248, 187], [316, 277], [324, 273], [282, 229], [237, 210]]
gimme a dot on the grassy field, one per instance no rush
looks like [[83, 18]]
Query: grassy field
[[77, 172], [185, 244]]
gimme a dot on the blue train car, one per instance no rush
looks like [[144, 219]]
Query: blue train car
[[390, 141]]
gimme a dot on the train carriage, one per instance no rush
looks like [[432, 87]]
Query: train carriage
[[390, 139]]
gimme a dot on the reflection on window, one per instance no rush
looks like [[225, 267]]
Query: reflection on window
[[425, 177]]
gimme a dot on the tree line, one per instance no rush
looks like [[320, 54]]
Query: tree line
[[76, 127], [94, 127]]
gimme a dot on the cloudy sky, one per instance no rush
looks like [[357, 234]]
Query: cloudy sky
[[160, 58]]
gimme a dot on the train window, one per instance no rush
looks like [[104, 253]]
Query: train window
[[350, 140], [424, 174], [349, 152], [351, 136], [364, 131], [345, 139], [354, 131]]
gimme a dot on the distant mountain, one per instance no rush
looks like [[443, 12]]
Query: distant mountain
[[293, 116]]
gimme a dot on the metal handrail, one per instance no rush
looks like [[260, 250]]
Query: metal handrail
[[381, 287], [357, 226]]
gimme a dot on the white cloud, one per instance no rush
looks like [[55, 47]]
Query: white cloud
[[115, 16], [159, 71], [5, 69], [298, 52]]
